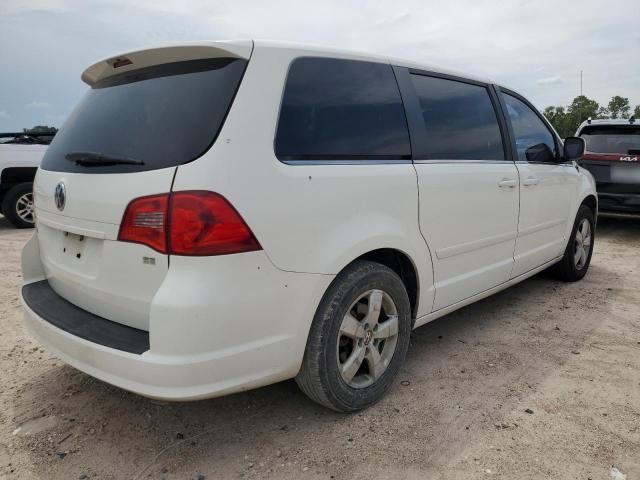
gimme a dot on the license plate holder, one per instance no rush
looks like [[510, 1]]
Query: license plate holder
[[625, 173]]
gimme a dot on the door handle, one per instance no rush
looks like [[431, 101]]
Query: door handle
[[530, 181], [507, 182]]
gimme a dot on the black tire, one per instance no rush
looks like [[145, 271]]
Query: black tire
[[567, 269], [320, 376], [10, 205]]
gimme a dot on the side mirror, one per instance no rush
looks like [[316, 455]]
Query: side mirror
[[573, 148]]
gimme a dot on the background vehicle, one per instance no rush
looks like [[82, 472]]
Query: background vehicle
[[613, 157], [287, 212], [20, 156]]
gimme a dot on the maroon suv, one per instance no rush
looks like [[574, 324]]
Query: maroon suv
[[613, 157]]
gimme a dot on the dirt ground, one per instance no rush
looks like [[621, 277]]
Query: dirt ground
[[568, 354]]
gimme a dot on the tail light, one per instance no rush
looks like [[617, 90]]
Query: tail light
[[187, 223], [145, 222]]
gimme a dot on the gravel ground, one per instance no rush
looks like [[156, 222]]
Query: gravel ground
[[539, 381]]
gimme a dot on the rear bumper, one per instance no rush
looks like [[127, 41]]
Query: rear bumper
[[619, 202], [209, 335], [176, 378], [51, 307]]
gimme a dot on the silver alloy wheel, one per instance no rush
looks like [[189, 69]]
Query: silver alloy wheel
[[367, 339], [24, 207], [582, 244]]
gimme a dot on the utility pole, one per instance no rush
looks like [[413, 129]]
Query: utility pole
[[580, 111]]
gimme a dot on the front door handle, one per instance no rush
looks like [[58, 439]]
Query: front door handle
[[530, 181], [507, 182]]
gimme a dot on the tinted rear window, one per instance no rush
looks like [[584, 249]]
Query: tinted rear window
[[164, 116], [620, 139], [341, 109], [460, 120]]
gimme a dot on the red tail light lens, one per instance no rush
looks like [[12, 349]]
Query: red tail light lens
[[187, 223], [205, 223], [144, 222]]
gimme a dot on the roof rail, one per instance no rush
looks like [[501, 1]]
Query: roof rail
[[589, 120], [632, 119]]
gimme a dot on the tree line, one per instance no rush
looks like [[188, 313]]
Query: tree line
[[567, 119], [40, 129]]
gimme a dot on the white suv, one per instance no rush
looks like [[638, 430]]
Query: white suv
[[216, 217]]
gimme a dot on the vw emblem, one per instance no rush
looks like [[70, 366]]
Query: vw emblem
[[60, 196]]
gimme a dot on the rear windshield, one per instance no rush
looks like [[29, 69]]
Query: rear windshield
[[620, 139], [157, 117]]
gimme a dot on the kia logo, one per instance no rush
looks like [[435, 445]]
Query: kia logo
[[60, 196]]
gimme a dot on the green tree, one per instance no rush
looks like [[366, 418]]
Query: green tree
[[566, 121], [619, 107], [636, 112], [40, 129], [560, 120], [582, 108], [46, 139]]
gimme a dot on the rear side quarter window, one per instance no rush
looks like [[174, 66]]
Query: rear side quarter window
[[335, 109]]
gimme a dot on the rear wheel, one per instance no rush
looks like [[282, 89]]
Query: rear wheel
[[17, 205], [577, 255], [358, 339]]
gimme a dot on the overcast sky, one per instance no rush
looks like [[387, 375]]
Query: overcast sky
[[537, 47]]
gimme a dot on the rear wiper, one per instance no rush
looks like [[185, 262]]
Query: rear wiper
[[88, 159]]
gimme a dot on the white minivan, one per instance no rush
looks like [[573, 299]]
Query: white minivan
[[215, 217]]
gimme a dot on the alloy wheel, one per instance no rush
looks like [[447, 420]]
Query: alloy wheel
[[582, 244], [367, 338], [24, 207]]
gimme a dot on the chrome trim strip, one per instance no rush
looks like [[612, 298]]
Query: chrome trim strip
[[429, 162], [347, 162], [555, 164]]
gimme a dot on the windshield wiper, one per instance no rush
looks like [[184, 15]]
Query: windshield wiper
[[89, 159]]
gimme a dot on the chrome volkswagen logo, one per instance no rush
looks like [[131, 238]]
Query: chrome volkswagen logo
[[60, 196]]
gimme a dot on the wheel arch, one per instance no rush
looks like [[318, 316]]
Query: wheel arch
[[402, 264], [12, 176], [592, 202]]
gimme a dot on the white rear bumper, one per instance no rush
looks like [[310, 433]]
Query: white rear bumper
[[216, 327]]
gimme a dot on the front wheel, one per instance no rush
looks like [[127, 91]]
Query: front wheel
[[17, 205], [358, 339], [577, 255]]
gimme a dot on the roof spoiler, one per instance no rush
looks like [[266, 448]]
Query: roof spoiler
[[135, 60]]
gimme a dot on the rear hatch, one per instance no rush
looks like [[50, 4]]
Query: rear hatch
[[613, 157], [146, 113]]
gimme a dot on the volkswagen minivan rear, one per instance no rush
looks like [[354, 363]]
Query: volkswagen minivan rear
[[111, 227]]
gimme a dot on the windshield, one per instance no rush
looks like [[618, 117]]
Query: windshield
[[620, 139], [161, 116]]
